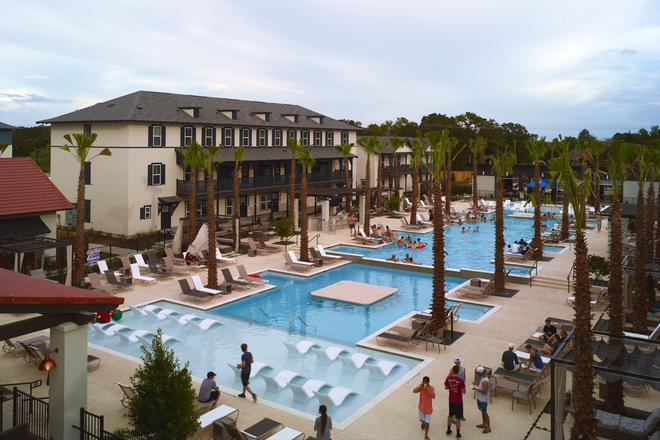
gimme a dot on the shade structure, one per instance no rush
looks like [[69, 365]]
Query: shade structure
[[542, 183]]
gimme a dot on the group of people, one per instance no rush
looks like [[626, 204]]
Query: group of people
[[552, 341], [518, 247], [406, 259], [455, 384]]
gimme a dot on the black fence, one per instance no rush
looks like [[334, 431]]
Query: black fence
[[31, 410], [139, 244], [92, 427]]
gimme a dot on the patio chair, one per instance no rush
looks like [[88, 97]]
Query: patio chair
[[125, 262], [253, 247], [176, 260], [135, 273], [96, 283], [400, 340], [177, 270], [224, 260], [422, 221], [110, 278], [324, 254], [128, 394], [229, 279], [317, 256], [140, 261], [199, 286], [252, 279], [103, 267], [153, 257], [200, 267], [293, 263], [187, 292], [525, 393], [260, 242], [335, 398], [93, 362], [153, 269]]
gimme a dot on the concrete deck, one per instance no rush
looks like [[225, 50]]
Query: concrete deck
[[354, 292]]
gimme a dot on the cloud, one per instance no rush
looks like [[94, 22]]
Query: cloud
[[29, 98], [35, 76]]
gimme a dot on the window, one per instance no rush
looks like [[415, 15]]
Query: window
[[304, 138], [318, 137], [229, 137], [201, 208], [291, 134], [156, 174], [87, 130], [156, 136], [344, 137], [245, 171], [209, 136], [145, 212], [329, 139], [88, 211], [246, 137], [277, 138], [229, 206], [262, 137], [88, 173], [264, 201], [187, 135]]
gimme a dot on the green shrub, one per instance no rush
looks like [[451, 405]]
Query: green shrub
[[599, 266]]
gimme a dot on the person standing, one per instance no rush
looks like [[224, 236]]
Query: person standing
[[323, 424], [425, 408], [246, 369], [483, 393], [510, 359], [351, 224], [456, 387], [209, 391], [460, 374]]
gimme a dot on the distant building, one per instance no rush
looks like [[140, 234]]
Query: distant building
[[6, 136], [144, 185]]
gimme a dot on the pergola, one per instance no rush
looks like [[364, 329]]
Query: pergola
[[20, 248]]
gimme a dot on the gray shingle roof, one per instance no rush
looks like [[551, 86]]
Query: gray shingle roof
[[252, 154], [4, 126], [167, 108], [386, 140]]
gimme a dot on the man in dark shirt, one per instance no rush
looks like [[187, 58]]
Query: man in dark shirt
[[548, 331], [554, 343], [510, 359], [246, 368]]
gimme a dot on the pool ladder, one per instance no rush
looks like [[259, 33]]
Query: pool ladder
[[259, 308], [301, 320]]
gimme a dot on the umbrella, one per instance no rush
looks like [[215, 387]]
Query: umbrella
[[176, 243], [201, 242], [542, 182]]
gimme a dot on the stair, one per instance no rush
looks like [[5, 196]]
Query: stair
[[552, 283]]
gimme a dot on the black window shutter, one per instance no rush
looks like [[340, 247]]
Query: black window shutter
[[88, 173], [273, 138], [151, 135], [249, 137], [142, 213], [183, 131], [162, 174], [149, 175], [88, 211], [213, 136], [194, 130], [232, 137], [162, 135], [203, 136]]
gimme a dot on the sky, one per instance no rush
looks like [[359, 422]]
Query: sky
[[555, 67]]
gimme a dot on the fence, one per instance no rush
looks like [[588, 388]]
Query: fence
[[128, 247], [92, 427], [31, 410]]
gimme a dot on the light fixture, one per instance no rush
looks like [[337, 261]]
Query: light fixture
[[48, 364]]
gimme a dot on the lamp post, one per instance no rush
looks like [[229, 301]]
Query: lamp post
[[38, 151]]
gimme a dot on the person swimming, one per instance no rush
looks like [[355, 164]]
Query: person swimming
[[465, 230]]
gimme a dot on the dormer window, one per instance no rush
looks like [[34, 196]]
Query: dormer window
[[292, 118], [191, 111]]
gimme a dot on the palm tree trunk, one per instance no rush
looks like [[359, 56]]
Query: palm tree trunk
[[79, 244], [192, 205], [396, 176], [237, 210], [639, 293], [650, 220], [475, 192], [303, 217], [438, 303], [292, 192], [657, 235], [379, 189], [498, 280], [563, 235], [585, 423], [597, 184], [210, 217], [448, 190], [536, 241], [415, 182], [349, 199], [367, 198]]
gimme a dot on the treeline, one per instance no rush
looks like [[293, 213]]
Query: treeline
[[643, 136], [28, 141]]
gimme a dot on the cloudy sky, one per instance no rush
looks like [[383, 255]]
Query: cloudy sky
[[555, 67]]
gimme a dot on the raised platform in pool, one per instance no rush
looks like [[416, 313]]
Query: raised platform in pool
[[354, 292]]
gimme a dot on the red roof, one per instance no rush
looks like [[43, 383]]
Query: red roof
[[26, 189]]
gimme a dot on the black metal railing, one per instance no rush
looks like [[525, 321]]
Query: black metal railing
[[92, 427], [6, 393], [568, 278], [31, 410]]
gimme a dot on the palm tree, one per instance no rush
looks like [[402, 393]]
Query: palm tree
[[395, 144], [596, 150], [617, 163], [293, 148], [380, 146], [641, 167], [563, 146], [369, 145], [82, 150], [433, 161], [191, 159], [238, 159], [502, 161], [576, 192], [418, 146], [537, 149], [452, 153], [307, 161], [209, 163], [476, 146], [345, 150]]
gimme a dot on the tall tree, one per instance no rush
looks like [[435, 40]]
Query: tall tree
[[191, 159], [345, 150], [618, 163], [476, 147], [293, 145], [237, 153], [418, 147], [380, 146], [537, 150], [210, 160], [452, 150], [369, 145], [563, 147], [81, 153], [396, 143], [641, 168], [577, 190], [502, 162], [307, 161], [433, 160]]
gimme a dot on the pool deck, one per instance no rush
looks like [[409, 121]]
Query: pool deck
[[354, 292], [482, 344]]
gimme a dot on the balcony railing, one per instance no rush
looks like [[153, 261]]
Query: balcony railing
[[246, 183], [403, 169]]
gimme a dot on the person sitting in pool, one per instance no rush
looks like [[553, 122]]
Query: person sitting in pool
[[460, 222], [401, 241], [388, 232], [393, 258], [543, 227], [476, 229], [465, 230], [419, 244], [409, 259]]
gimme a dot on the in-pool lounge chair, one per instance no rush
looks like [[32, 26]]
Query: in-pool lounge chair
[[299, 349], [204, 325], [256, 369], [278, 383], [292, 261], [229, 279], [335, 398], [95, 281], [176, 260], [137, 276], [355, 361], [304, 393], [329, 354], [382, 369]]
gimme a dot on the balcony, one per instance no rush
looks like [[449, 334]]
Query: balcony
[[226, 186], [388, 171]]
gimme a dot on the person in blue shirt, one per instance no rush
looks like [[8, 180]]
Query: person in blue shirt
[[246, 368]]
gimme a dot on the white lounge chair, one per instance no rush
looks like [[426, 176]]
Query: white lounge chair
[[653, 335], [244, 276], [382, 369], [355, 362], [305, 393], [335, 398], [293, 262], [161, 315], [323, 254], [147, 342], [421, 220], [108, 329], [143, 311], [329, 354], [286, 434], [103, 267], [183, 320], [133, 337], [197, 282], [256, 368], [140, 262], [300, 348], [137, 276], [220, 258], [203, 325], [277, 383]]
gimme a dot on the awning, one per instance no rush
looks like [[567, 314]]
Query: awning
[[15, 228], [169, 200], [37, 244], [172, 202]]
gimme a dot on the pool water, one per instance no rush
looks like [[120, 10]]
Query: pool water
[[334, 320]]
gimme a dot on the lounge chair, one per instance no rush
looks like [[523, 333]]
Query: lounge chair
[[199, 286], [200, 267], [107, 330], [293, 263], [329, 354], [147, 342], [405, 340], [654, 334], [140, 261], [252, 279], [253, 247], [423, 206], [304, 393], [596, 299], [181, 321], [422, 221], [335, 398], [177, 270], [110, 278], [187, 292], [224, 260], [229, 279], [520, 257], [361, 236], [260, 242], [256, 368], [476, 288], [103, 267], [10, 347], [130, 339], [176, 260], [204, 325], [299, 349], [128, 394], [41, 274], [323, 253], [317, 256], [382, 369], [153, 270], [160, 315], [143, 311], [278, 383], [261, 430], [355, 362], [137, 276], [406, 225], [93, 362], [153, 257], [96, 283]]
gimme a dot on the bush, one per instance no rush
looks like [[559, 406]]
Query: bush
[[393, 203], [599, 266], [282, 227]]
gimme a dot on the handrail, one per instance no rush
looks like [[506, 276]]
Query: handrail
[[568, 278], [34, 384], [314, 237], [301, 320], [259, 308]]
